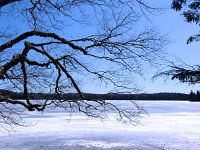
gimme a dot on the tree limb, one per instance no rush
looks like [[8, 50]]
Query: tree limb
[[6, 2], [25, 35]]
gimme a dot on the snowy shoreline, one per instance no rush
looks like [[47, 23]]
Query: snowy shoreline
[[169, 126]]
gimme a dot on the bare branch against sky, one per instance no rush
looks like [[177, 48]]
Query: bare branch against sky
[[57, 46]]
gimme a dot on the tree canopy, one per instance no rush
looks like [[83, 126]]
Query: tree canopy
[[55, 47], [190, 11]]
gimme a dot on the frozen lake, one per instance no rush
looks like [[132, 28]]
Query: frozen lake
[[168, 126]]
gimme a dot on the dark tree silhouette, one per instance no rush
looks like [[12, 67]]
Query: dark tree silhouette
[[186, 73], [39, 53]]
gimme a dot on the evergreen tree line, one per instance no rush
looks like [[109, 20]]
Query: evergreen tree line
[[109, 96], [194, 96]]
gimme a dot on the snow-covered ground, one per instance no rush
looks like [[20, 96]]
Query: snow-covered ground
[[169, 126]]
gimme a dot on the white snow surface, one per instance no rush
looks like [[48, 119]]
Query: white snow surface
[[169, 125]]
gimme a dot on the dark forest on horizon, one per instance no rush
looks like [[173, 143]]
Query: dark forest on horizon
[[193, 96]]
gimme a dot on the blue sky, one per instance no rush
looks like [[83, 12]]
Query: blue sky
[[171, 24]]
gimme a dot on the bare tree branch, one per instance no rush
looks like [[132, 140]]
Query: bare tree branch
[[44, 57], [41, 34], [7, 2]]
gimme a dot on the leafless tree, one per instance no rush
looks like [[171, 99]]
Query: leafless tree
[[40, 53]]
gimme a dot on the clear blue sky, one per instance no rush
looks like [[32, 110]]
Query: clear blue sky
[[173, 25], [169, 23]]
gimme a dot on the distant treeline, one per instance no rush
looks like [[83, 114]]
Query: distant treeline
[[194, 96], [111, 96]]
